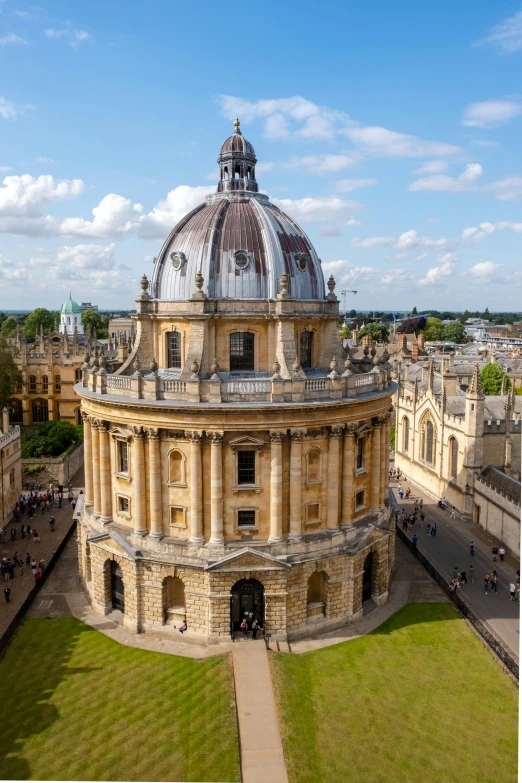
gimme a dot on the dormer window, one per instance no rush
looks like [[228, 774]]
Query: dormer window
[[178, 259], [302, 261], [241, 259]]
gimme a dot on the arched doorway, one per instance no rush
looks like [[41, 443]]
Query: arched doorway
[[247, 596], [173, 601], [117, 591], [367, 578], [316, 596]]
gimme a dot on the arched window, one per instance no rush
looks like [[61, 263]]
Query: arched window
[[176, 467], [78, 374], [405, 434], [313, 466], [174, 349], [45, 383], [32, 383], [68, 321], [241, 351], [225, 173], [316, 595], [16, 412], [40, 411], [305, 349], [454, 457]]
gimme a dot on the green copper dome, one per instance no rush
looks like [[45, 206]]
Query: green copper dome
[[70, 307]]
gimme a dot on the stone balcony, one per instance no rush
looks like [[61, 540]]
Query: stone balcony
[[228, 388]]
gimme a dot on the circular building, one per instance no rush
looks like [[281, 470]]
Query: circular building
[[71, 318], [236, 464]]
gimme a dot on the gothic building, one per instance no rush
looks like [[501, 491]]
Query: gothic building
[[237, 461]]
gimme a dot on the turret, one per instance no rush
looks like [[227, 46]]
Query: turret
[[474, 423]]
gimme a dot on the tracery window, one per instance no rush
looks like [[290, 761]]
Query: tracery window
[[40, 411], [405, 434], [428, 441], [454, 457], [45, 383], [32, 383]]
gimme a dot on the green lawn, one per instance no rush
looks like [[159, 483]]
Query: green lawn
[[419, 699], [79, 706]]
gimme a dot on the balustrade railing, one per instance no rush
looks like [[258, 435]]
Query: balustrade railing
[[317, 384], [118, 381], [176, 387]]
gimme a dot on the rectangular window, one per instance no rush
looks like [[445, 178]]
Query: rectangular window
[[246, 518], [123, 504], [57, 384], [174, 349], [359, 499], [11, 477], [360, 453], [312, 513], [123, 457], [241, 351], [305, 349], [32, 383], [246, 467], [177, 516]]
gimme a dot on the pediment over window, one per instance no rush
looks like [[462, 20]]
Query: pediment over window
[[248, 560], [121, 432], [247, 440]]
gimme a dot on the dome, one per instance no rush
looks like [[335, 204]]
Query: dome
[[70, 306], [239, 241]]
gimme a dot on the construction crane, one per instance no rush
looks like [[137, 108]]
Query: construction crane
[[344, 300]]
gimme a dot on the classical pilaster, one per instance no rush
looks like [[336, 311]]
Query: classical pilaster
[[385, 452], [87, 460], [276, 486], [139, 514], [155, 505], [96, 467], [348, 474], [375, 476], [196, 488], [105, 473], [296, 482], [333, 477], [216, 487]]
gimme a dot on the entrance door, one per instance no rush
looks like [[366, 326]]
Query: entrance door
[[367, 578], [117, 592], [247, 595]]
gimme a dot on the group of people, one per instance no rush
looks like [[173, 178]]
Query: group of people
[[33, 501], [250, 623], [410, 520], [9, 565]]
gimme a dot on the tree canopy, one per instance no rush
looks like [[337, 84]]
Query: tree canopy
[[95, 321], [345, 332], [51, 438], [10, 375], [415, 325], [491, 377], [379, 332], [455, 333], [38, 318], [434, 329]]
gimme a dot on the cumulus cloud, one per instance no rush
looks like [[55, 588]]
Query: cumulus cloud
[[406, 241], [162, 219], [6, 40], [436, 275], [506, 36], [476, 234], [23, 200], [347, 273], [86, 256], [509, 189], [320, 164], [347, 185], [329, 210], [10, 110], [115, 216], [298, 117], [484, 271], [396, 276], [443, 183], [71, 35], [489, 114], [432, 167]]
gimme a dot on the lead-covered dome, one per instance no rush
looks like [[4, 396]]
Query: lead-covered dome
[[239, 241]]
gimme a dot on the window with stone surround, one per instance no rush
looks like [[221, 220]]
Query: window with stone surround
[[241, 352], [453, 457], [177, 468], [428, 441], [360, 499], [174, 349], [57, 384], [178, 517], [360, 453], [246, 517], [32, 383], [78, 374], [123, 456], [305, 349], [312, 513], [246, 467], [405, 434], [45, 383], [123, 504], [313, 466]]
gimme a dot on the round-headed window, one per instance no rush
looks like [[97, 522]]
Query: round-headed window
[[178, 259], [241, 259], [302, 261]]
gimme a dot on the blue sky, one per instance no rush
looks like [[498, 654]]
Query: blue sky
[[390, 132]]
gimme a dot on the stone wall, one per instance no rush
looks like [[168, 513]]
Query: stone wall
[[61, 469], [498, 515]]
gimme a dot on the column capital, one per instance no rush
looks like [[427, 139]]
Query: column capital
[[96, 424], [296, 436], [335, 432], [194, 436], [138, 432], [153, 433], [351, 429], [276, 436], [103, 426], [215, 437]]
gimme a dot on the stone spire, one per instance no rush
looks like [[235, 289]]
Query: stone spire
[[431, 374], [503, 388], [475, 386]]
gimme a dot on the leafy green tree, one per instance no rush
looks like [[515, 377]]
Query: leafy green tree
[[10, 375], [392, 436], [414, 311], [434, 329], [345, 332], [352, 313], [35, 320], [95, 321], [455, 333], [51, 438], [3, 318], [518, 391], [486, 315], [9, 326], [491, 377], [379, 332]]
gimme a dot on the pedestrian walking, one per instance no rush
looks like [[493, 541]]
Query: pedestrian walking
[[502, 552], [456, 572], [23, 531], [494, 552], [453, 513], [429, 529], [421, 503], [36, 537], [33, 566], [41, 565], [471, 575], [7, 594], [434, 530], [414, 541], [27, 560], [486, 583], [37, 576], [29, 531], [472, 549], [512, 591], [255, 626], [244, 627], [493, 581], [52, 523]]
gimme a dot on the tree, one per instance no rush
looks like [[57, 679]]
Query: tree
[[35, 320], [412, 325], [392, 436], [9, 326], [491, 377], [455, 333], [10, 375], [379, 332], [95, 321], [414, 311], [434, 329], [485, 315], [345, 332], [53, 438], [352, 313]]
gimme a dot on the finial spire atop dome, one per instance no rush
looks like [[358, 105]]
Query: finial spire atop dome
[[237, 161], [236, 125]]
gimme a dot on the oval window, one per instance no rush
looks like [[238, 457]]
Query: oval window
[[302, 261], [178, 259], [241, 259]]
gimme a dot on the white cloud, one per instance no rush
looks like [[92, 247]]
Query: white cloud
[[73, 36], [5, 169], [432, 167], [506, 36], [347, 185], [489, 114], [45, 161], [442, 183], [474, 234], [24, 198], [368, 242], [10, 110], [509, 189], [5, 40], [296, 116], [436, 275], [330, 210], [395, 276], [406, 241], [263, 168], [347, 273], [114, 216], [179, 202], [484, 271], [320, 164], [41, 261], [86, 256]]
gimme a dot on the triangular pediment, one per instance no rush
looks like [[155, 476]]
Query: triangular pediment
[[248, 560], [247, 440], [114, 542], [120, 432]]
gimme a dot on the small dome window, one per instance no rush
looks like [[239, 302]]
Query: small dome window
[[178, 259], [302, 261], [241, 259]]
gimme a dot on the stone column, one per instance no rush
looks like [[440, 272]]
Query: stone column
[[95, 448], [296, 483], [105, 473], [196, 489], [385, 452], [216, 487], [276, 486], [375, 474], [348, 474], [155, 504], [87, 460], [332, 510], [139, 512]]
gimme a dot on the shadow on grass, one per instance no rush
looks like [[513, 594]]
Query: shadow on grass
[[30, 672], [415, 614]]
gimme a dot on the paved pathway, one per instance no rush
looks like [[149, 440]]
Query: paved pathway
[[450, 548], [261, 749]]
